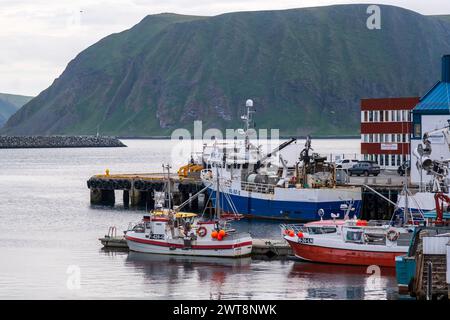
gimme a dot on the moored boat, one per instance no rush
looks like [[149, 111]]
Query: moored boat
[[169, 231], [264, 185], [350, 242]]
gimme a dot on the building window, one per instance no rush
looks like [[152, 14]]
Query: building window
[[386, 115], [381, 116], [370, 116], [393, 160], [417, 130], [392, 137], [381, 160], [398, 161]]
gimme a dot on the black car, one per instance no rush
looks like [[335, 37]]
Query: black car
[[365, 168], [404, 168]]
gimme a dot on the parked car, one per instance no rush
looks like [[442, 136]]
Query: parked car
[[345, 163], [404, 168], [365, 168]]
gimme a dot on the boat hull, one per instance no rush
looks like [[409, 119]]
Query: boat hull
[[229, 249], [292, 208], [332, 255]]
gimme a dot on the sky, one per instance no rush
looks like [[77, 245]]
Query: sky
[[38, 38]]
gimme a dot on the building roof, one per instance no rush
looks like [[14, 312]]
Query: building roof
[[437, 100]]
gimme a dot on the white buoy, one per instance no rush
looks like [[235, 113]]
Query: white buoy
[[249, 103]]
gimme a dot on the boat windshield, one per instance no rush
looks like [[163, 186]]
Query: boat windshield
[[321, 230]]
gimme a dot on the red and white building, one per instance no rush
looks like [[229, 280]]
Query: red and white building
[[385, 130]]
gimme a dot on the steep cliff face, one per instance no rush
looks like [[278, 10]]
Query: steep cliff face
[[306, 70]]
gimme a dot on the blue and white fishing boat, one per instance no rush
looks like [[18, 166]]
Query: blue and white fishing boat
[[258, 185]]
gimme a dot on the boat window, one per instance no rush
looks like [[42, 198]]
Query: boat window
[[321, 230], [354, 236]]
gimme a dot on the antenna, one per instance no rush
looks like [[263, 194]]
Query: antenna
[[248, 120]]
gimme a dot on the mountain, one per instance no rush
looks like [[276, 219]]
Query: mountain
[[306, 69], [9, 104]]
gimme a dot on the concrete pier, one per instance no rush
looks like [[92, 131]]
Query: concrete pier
[[139, 190]]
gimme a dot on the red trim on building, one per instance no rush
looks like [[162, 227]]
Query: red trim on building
[[386, 127], [389, 104]]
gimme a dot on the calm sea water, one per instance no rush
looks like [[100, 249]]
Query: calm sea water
[[49, 238]]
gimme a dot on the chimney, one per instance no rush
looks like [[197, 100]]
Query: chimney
[[446, 68]]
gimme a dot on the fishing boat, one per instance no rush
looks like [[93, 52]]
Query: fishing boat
[[262, 185], [170, 231], [349, 241]]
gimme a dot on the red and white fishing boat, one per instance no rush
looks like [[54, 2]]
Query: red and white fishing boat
[[183, 234], [166, 231], [351, 242]]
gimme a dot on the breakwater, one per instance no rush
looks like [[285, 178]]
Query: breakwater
[[14, 142]]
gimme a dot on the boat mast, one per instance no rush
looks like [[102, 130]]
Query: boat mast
[[247, 121], [217, 194], [167, 166]]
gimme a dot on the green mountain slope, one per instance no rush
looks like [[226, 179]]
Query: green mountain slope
[[9, 104], [306, 70]]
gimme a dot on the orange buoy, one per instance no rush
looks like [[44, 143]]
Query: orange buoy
[[291, 233], [214, 234], [300, 234], [222, 233]]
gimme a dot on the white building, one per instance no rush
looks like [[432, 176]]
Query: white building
[[432, 112]]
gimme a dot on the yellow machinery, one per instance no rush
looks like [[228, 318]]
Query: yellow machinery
[[187, 170]]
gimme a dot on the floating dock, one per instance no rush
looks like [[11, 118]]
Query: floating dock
[[268, 248]]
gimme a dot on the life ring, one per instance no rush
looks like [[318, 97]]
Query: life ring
[[201, 232], [392, 235]]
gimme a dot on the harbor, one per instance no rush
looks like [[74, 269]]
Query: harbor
[[74, 227]]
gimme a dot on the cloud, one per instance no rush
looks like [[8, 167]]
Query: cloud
[[39, 37]]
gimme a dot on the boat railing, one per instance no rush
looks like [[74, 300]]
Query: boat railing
[[258, 187], [294, 227]]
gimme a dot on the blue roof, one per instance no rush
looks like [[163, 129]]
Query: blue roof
[[437, 100]]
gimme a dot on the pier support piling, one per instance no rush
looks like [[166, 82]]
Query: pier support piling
[[126, 198], [96, 196], [135, 197]]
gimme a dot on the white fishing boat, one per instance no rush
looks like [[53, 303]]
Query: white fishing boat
[[168, 231], [264, 185]]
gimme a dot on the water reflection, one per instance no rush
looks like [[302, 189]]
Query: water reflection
[[174, 272], [348, 282]]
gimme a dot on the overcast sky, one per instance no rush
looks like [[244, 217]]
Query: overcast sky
[[39, 37]]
